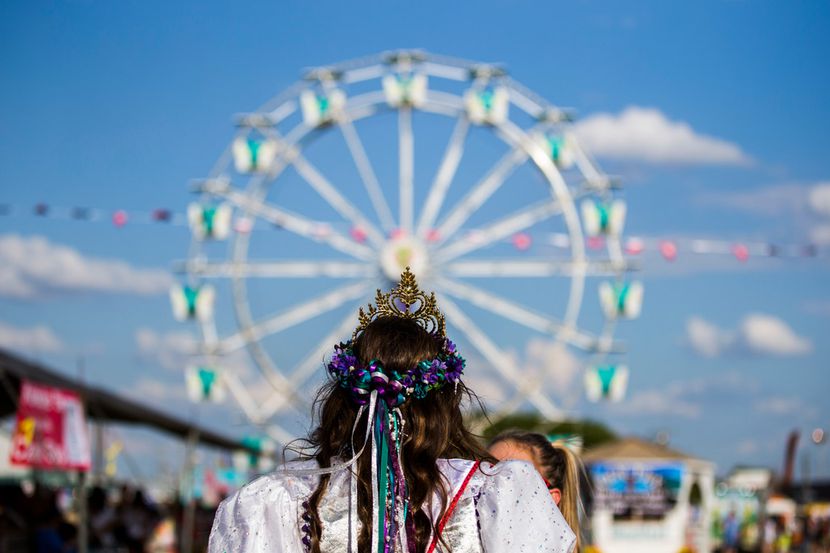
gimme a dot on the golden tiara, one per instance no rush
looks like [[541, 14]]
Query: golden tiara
[[417, 305]]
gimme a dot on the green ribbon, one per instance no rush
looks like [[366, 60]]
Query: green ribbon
[[323, 104], [383, 468], [606, 376], [208, 215], [556, 146], [604, 216], [622, 295], [486, 97], [253, 147], [206, 377], [190, 295]]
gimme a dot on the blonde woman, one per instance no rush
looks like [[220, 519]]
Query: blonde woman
[[557, 465]]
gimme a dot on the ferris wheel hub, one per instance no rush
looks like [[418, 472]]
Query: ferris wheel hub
[[401, 251]]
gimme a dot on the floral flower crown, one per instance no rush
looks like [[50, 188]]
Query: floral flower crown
[[406, 301]]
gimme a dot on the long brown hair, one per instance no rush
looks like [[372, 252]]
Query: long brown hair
[[434, 429], [560, 467]]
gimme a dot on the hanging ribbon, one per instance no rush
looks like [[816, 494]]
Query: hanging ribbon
[[388, 485]]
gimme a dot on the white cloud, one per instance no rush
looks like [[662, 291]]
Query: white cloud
[[659, 402], [780, 199], [766, 334], [779, 405], [552, 361], [36, 339], [166, 396], [32, 267], [488, 388], [686, 398], [172, 350], [705, 338], [819, 198], [807, 206], [176, 350], [757, 333], [646, 134]]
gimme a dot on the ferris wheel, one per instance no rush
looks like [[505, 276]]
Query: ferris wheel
[[362, 168]]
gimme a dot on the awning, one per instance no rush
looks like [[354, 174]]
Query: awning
[[101, 405]]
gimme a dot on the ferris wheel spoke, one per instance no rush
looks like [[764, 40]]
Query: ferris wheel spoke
[[515, 222], [243, 398], [298, 224], [249, 405], [444, 177], [501, 361], [534, 268], [586, 166], [367, 174], [519, 313], [336, 200], [481, 192], [277, 384], [278, 269], [406, 154], [310, 363], [292, 316]]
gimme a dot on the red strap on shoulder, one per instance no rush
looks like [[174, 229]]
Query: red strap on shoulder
[[451, 508]]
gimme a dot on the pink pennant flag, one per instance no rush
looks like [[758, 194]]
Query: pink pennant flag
[[595, 242], [634, 246], [119, 218], [358, 234], [741, 252], [668, 250], [522, 241]]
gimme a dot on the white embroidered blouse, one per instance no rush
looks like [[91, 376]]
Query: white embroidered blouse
[[505, 508]]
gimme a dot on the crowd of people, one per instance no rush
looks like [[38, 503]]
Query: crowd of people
[[122, 519], [804, 533]]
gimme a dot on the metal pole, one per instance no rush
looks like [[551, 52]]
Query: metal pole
[[83, 514], [98, 474], [83, 511], [190, 507]]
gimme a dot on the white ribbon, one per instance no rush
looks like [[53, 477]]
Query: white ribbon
[[375, 491], [373, 398]]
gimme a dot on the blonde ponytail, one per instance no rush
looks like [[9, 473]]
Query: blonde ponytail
[[570, 504]]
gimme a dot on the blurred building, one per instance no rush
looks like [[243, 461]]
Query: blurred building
[[648, 498]]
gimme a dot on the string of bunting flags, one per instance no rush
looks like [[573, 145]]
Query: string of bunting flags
[[217, 222]]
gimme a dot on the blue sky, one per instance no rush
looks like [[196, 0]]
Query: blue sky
[[119, 105]]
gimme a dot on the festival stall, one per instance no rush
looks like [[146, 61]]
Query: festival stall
[[50, 437], [648, 498]]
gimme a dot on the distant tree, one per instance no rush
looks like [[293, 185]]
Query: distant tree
[[593, 433]]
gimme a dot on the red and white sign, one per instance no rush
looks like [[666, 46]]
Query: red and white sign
[[50, 431]]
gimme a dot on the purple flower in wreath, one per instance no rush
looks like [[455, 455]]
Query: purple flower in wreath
[[455, 367], [407, 380], [449, 346], [342, 364], [433, 373]]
